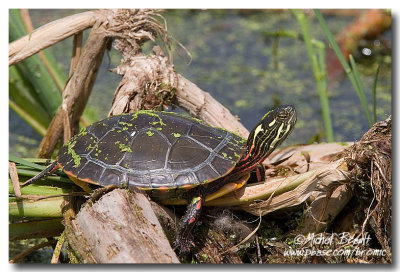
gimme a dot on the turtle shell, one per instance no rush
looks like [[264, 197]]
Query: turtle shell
[[152, 151]]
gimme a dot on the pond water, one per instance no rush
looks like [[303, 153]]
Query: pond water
[[233, 58]]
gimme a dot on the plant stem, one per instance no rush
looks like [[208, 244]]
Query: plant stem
[[57, 250], [35, 229], [46, 208], [41, 190], [319, 69], [23, 162], [374, 92], [360, 89], [350, 72], [24, 253], [24, 115]]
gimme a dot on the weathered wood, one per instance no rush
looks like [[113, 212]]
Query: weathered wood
[[322, 211], [120, 227], [50, 34], [76, 93], [150, 82]]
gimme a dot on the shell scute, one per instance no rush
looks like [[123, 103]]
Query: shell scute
[[181, 152]]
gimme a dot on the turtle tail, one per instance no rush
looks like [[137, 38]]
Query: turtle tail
[[49, 169]]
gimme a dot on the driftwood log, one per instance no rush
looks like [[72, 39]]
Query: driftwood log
[[120, 227]]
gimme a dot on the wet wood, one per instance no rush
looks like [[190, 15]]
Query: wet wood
[[120, 227]]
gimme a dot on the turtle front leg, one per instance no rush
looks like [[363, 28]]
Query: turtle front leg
[[257, 174], [184, 238], [48, 170]]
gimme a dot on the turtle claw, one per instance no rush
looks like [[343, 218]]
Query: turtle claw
[[183, 245], [96, 194]]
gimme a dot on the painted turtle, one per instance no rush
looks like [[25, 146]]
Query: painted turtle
[[176, 159]]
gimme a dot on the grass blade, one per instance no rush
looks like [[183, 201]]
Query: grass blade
[[351, 73], [332, 41], [360, 90], [15, 159], [23, 95], [33, 69], [374, 92], [318, 64], [28, 118]]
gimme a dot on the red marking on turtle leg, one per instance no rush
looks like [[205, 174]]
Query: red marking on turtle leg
[[58, 166], [258, 174], [184, 238], [198, 207]]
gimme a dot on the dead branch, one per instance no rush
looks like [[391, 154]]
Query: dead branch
[[285, 192], [76, 92], [150, 82], [322, 165], [50, 34]]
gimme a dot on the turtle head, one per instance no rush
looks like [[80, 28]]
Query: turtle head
[[270, 132]]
